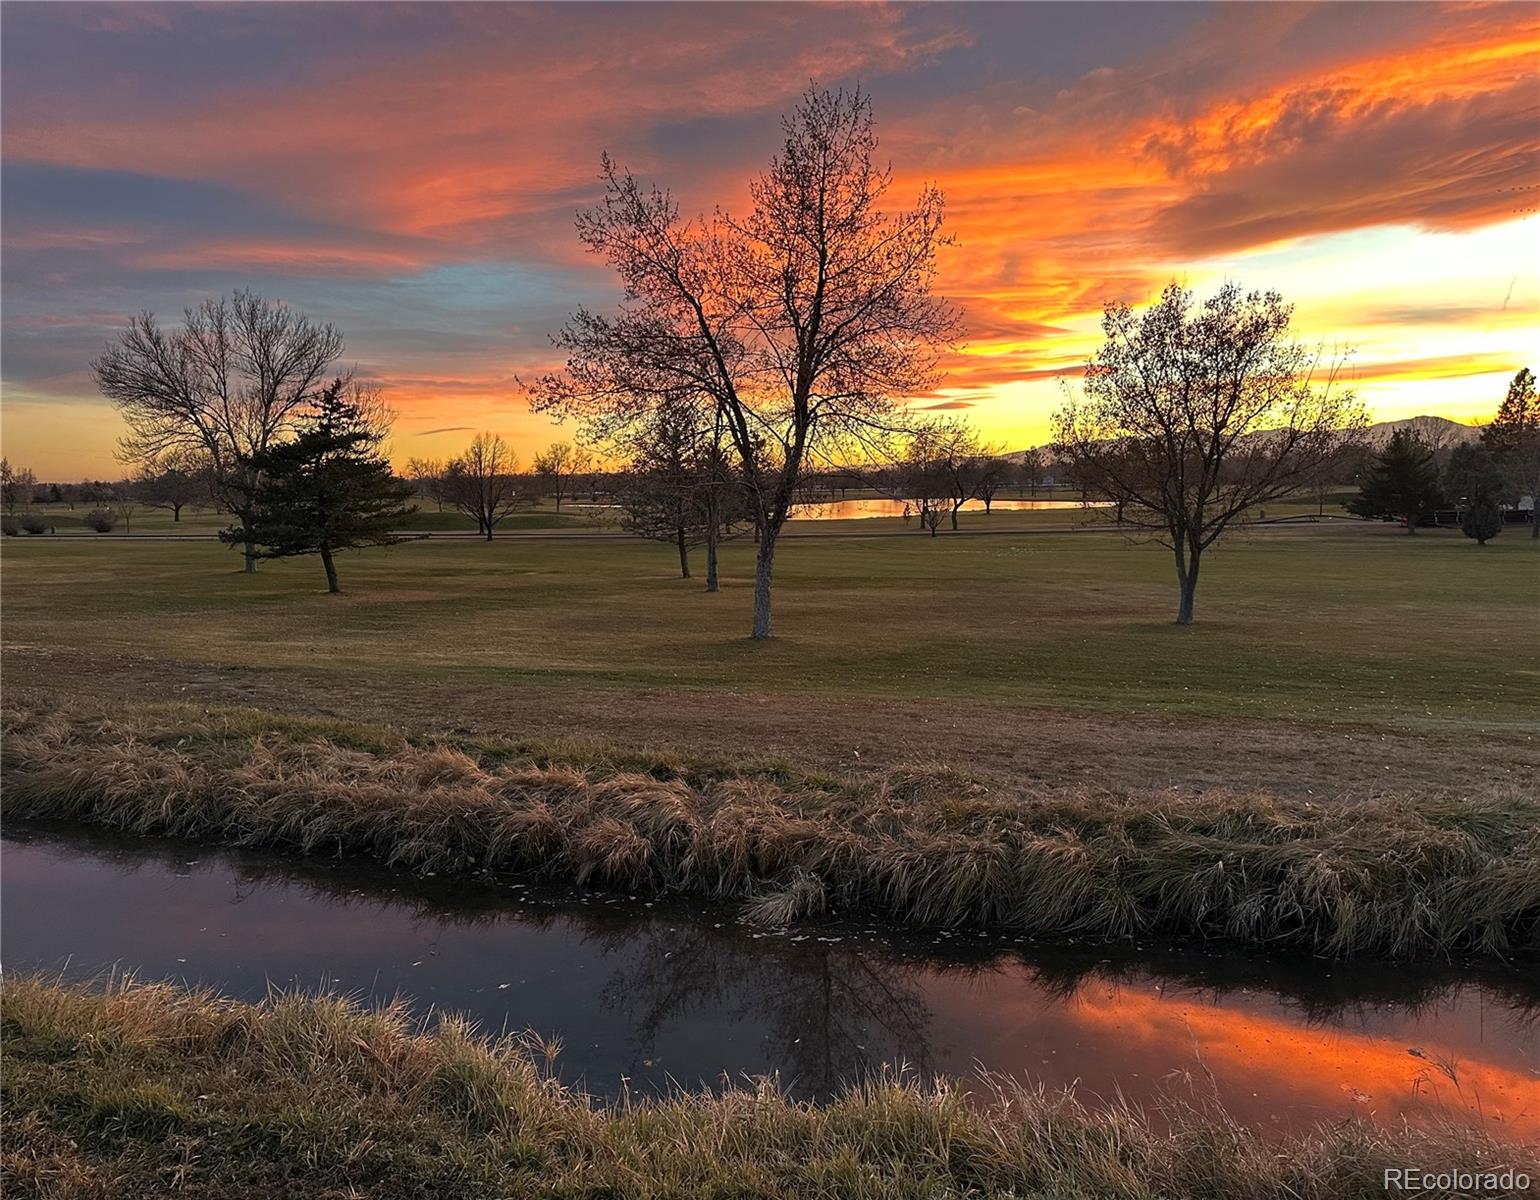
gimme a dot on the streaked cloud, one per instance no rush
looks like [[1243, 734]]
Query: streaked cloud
[[411, 172]]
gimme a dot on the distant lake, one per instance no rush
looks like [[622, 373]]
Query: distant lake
[[846, 510]]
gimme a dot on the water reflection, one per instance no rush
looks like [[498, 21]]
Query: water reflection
[[657, 995], [845, 510], [826, 1014]]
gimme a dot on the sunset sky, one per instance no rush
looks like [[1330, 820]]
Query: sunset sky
[[411, 174]]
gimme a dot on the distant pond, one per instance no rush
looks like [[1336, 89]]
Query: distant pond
[[642, 996], [845, 510]]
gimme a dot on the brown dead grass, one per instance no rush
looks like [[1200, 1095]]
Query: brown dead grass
[[1386, 875], [146, 1089]]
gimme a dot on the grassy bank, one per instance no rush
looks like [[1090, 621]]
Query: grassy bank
[[1360, 626], [144, 1089], [1401, 877]]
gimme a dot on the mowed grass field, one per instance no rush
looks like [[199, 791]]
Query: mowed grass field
[[1362, 625], [196, 521]]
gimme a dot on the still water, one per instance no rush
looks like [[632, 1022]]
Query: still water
[[649, 996], [844, 510]]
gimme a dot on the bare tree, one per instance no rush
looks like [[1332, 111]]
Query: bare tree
[[95, 491], [16, 484], [1034, 465], [173, 480], [960, 457], [428, 476], [1193, 415], [804, 321], [679, 485], [918, 478], [559, 465], [124, 505], [484, 483], [994, 474], [235, 376]]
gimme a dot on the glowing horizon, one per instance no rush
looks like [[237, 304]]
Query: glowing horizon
[[410, 173]]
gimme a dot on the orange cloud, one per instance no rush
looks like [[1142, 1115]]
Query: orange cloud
[[1450, 366], [1256, 1053], [467, 136], [1322, 1064]]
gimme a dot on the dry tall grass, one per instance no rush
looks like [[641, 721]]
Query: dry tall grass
[[145, 1089], [1384, 875]]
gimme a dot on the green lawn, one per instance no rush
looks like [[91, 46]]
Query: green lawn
[[65, 520], [1353, 625]]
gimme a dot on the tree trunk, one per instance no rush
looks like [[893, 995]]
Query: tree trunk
[[251, 558], [684, 553], [331, 569], [1411, 522], [989, 502], [955, 507], [1186, 584], [764, 569], [485, 528], [711, 553], [176, 513]]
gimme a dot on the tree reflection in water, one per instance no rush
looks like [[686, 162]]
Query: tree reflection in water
[[826, 1003], [829, 1012]]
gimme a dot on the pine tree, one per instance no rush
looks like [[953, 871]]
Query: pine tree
[[1514, 437], [328, 489], [1482, 519], [1473, 473], [1402, 482]]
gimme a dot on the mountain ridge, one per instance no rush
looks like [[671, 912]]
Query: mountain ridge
[[1439, 432]]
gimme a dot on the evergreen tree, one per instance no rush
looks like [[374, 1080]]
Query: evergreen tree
[[1514, 436], [1482, 519], [1402, 482], [326, 490], [1474, 474]]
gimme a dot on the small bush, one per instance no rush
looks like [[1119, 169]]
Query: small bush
[[101, 520], [10, 527], [34, 525], [1483, 520]]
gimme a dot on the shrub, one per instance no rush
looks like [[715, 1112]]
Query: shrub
[[9, 527], [1482, 520], [34, 525], [100, 520]]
